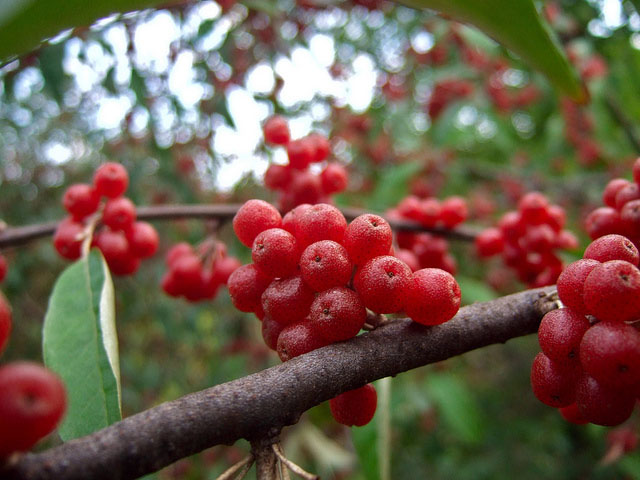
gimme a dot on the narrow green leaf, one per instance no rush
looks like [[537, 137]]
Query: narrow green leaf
[[394, 185], [80, 344], [516, 25]]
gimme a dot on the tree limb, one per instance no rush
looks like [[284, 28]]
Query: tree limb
[[16, 236], [258, 406]]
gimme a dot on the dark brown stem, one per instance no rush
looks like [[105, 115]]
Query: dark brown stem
[[16, 236], [266, 460], [258, 406]]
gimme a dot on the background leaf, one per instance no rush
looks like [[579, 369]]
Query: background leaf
[[80, 344]]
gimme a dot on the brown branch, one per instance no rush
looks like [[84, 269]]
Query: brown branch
[[16, 236], [258, 406]]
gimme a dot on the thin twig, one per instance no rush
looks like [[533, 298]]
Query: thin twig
[[231, 471], [292, 466]]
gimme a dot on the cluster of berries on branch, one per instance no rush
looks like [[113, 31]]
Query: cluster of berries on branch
[[528, 239], [123, 241], [197, 273], [589, 366], [621, 213], [295, 182], [425, 250], [314, 276]]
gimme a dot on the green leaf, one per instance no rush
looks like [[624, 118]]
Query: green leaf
[[80, 344], [516, 25], [26, 23], [393, 185], [456, 404], [474, 290]]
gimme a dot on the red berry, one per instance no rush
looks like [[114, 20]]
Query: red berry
[[224, 267], [176, 251], [290, 220], [321, 147], [325, 264], [627, 194], [553, 384], [170, 285], [560, 334], [431, 211], [433, 297], [305, 187], [408, 257], [143, 239], [601, 405], [571, 284], [612, 189], [566, 240], [3, 268], [32, 402], [119, 213], [276, 130], [297, 339], [277, 177], [453, 211], [539, 238], [630, 218], [572, 414], [355, 407], [603, 221], [557, 217], [187, 271], [320, 222], [111, 180], [301, 153], [512, 226], [67, 239], [612, 247], [5, 322], [275, 252], [270, 332], [253, 217], [334, 178], [382, 284], [287, 300], [489, 242], [612, 291], [534, 208], [113, 245], [80, 200], [610, 353], [367, 236], [337, 314]]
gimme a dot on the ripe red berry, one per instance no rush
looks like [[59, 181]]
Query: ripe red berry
[[612, 291], [305, 187], [176, 251], [253, 217], [270, 332], [321, 147], [325, 264], [382, 283], [320, 222], [290, 220], [612, 247], [143, 239], [275, 252], [301, 153], [32, 402], [612, 189], [630, 219], [277, 177], [67, 239], [113, 245], [80, 200], [489, 242], [603, 221], [602, 405], [431, 211], [170, 285], [433, 297], [560, 334], [119, 213], [187, 271], [111, 180], [627, 194], [610, 353], [367, 236], [297, 339], [5, 322], [408, 257], [571, 413], [224, 267], [571, 284], [287, 300], [337, 314], [334, 178], [533, 208], [276, 130], [553, 384], [355, 407], [453, 211], [3, 268]]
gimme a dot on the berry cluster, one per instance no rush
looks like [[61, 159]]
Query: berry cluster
[[302, 285], [122, 240], [621, 214], [296, 183], [424, 250], [589, 366], [446, 92], [528, 238], [580, 131], [32, 398], [197, 274]]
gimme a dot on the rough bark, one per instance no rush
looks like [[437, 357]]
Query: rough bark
[[258, 406]]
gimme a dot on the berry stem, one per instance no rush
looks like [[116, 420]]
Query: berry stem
[[241, 468], [277, 448]]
